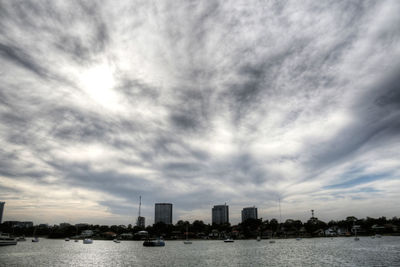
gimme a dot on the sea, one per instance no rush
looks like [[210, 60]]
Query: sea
[[338, 251]]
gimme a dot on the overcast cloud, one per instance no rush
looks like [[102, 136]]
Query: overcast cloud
[[199, 103]]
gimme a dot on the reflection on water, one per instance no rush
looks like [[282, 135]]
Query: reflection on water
[[289, 252]]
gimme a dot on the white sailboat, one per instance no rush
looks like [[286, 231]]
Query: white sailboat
[[35, 238], [356, 238]]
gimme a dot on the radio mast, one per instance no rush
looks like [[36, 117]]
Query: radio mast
[[140, 204]]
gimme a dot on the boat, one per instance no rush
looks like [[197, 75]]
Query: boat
[[272, 241], [298, 238], [378, 236], [87, 241], [229, 240], [356, 238], [6, 240], [258, 238], [187, 242], [67, 239], [35, 238], [21, 239], [154, 243], [76, 240], [116, 241]]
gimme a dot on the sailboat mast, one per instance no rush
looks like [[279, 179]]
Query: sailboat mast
[[280, 212]]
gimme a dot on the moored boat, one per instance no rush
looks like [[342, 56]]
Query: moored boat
[[87, 241], [21, 239], [229, 240], [154, 243], [6, 240], [187, 242]]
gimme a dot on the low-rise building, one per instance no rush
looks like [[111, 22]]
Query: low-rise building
[[87, 233]]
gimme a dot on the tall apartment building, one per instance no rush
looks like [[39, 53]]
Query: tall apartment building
[[249, 213], [220, 214], [163, 213]]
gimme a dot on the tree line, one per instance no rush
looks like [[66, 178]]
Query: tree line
[[251, 228]]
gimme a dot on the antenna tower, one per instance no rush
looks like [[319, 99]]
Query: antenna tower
[[140, 203]]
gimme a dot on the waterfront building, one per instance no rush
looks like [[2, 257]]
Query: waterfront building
[[220, 214], [163, 213], [64, 225], [1, 211], [81, 225], [249, 213], [87, 233], [140, 222], [11, 223], [25, 224]]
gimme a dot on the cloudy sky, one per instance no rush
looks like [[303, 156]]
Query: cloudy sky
[[199, 103]]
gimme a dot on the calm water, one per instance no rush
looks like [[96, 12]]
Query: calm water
[[290, 252]]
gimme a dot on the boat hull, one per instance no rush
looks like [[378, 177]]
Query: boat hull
[[154, 243], [8, 243]]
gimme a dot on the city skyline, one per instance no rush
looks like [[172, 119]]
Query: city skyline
[[198, 104], [219, 215]]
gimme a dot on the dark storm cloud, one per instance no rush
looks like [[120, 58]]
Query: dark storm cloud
[[124, 186], [19, 57], [377, 118]]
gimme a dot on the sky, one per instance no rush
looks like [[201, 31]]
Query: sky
[[199, 103]]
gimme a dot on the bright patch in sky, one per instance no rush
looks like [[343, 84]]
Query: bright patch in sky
[[98, 83]]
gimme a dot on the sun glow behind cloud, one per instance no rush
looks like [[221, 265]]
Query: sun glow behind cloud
[[98, 83]]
